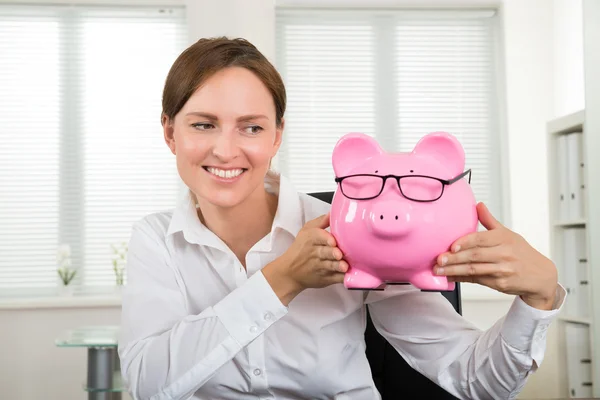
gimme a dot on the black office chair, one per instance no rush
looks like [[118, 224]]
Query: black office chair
[[391, 373]]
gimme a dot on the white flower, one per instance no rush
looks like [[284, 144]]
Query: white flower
[[63, 253]]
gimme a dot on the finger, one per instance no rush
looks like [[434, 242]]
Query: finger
[[337, 278], [336, 266], [330, 253], [500, 285], [470, 270], [477, 239], [486, 218], [321, 222], [472, 255], [324, 238]]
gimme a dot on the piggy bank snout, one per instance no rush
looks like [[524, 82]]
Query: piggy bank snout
[[390, 218]]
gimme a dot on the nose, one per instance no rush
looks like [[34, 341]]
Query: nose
[[390, 218], [225, 147]]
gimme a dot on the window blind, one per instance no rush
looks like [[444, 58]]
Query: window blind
[[395, 75], [82, 154], [330, 82]]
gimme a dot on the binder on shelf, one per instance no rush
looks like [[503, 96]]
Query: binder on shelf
[[581, 174], [575, 175], [569, 269], [583, 283], [579, 359], [574, 272], [562, 175]]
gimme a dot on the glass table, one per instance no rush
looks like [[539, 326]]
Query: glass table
[[104, 380]]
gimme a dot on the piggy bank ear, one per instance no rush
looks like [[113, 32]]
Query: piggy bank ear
[[351, 150], [445, 148]]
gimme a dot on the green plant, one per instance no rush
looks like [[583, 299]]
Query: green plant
[[63, 258], [118, 262], [66, 275]]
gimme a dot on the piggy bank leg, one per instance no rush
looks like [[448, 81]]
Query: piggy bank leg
[[426, 280], [357, 278]]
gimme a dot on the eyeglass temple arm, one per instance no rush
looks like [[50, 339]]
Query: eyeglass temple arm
[[460, 177]]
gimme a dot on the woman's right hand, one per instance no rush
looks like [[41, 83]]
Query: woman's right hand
[[312, 261]]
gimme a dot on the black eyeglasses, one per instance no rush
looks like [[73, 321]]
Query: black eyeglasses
[[421, 188]]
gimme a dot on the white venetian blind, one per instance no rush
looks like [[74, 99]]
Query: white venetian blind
[[30, 126], [82, 154], [444, 80], [129, 171], [328, 67], [396, 75]]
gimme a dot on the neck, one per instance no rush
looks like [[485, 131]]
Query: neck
[[242, 226]]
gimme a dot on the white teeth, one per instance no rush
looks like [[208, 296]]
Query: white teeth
[[227, 174]]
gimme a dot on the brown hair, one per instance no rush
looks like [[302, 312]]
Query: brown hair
[[210, 55]]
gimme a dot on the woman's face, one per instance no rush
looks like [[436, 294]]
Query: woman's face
[[224, 137]]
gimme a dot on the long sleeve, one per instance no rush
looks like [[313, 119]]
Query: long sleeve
[[467, 362], [165, 352]]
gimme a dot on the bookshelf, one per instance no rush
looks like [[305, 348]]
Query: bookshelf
[[572, 147]]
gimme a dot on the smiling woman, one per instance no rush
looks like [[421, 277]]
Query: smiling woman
[[210, 282], [223, 106]]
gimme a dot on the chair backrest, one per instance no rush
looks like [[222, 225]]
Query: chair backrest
[[391, 373]]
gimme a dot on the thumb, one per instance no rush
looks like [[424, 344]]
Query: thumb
[[486, 218], [319, 222]]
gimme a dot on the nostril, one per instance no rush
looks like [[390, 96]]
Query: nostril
[[381, 217], [396, 217]]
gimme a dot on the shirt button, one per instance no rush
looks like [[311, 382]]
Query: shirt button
[[257, 372], [253, 329], [268, 316]]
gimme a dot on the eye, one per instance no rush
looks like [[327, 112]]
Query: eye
[[253, 129], [202, 126]]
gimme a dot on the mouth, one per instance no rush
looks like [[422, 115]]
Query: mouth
[[227, 174]]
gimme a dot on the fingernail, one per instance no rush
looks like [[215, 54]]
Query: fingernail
[[444, 260], [439, 271], [456, 248]]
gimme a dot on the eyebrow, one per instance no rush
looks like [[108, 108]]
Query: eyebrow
[[213, 117]]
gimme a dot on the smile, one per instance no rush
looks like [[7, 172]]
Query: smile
[[225, 173]]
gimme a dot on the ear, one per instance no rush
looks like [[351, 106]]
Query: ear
[[278, 137], [351, 150], [444, 147], [169, 132]]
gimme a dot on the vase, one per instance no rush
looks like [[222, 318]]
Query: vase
[[66, 290]]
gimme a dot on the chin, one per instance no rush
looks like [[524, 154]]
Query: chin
[[224, 199], [228, 195]]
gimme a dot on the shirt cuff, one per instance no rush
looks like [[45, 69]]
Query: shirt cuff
[[250, 309], [525, 327]]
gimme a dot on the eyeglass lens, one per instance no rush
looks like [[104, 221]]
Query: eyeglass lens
[[413, 187]]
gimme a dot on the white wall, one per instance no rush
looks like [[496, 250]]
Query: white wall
[[253, 20], [31, 366], [569, 95], [535, 92]]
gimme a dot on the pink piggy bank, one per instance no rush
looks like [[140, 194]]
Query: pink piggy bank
[[394, 213]]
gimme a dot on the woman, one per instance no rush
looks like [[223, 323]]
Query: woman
[[237, 293]]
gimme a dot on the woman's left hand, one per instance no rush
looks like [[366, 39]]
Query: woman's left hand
[[502, 260]]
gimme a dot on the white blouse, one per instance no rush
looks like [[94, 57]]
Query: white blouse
[[197, 325]]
